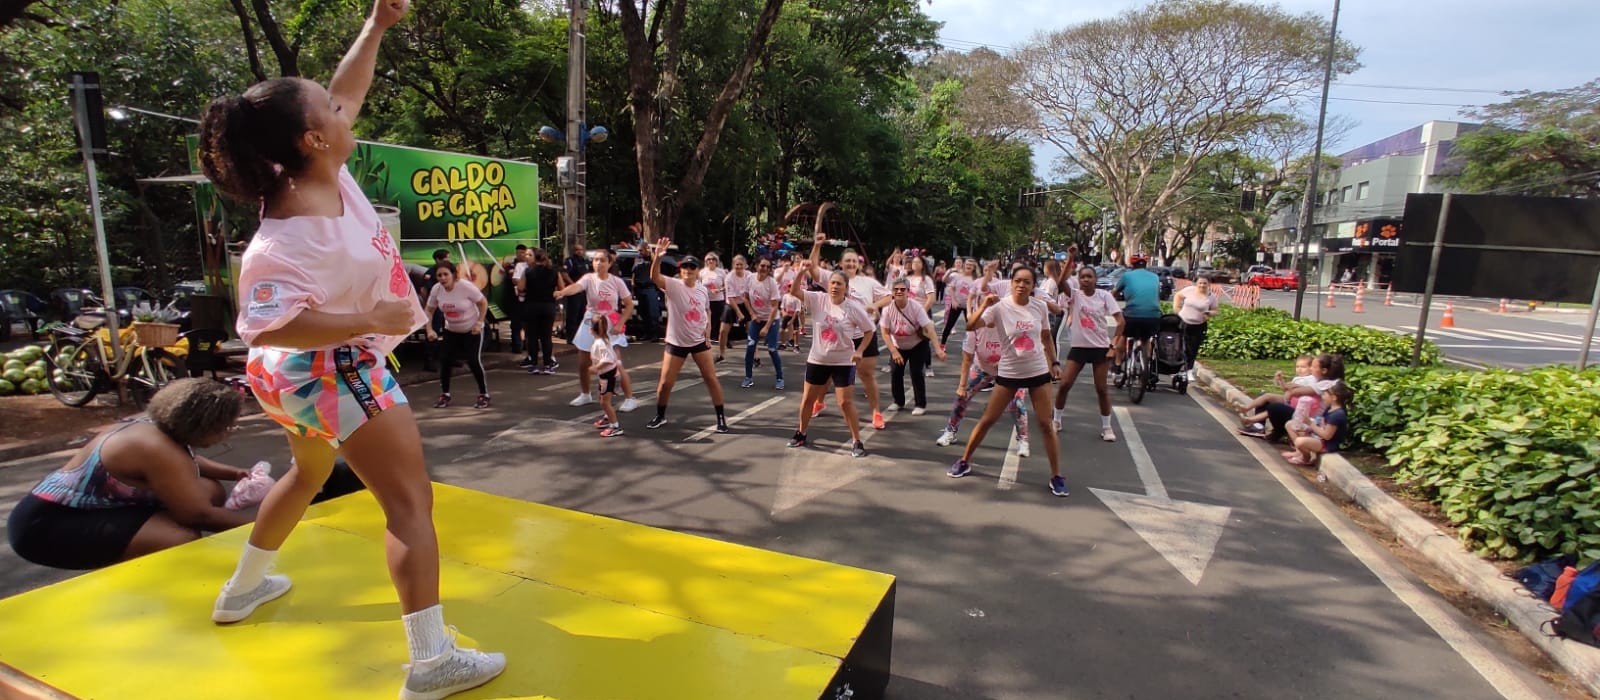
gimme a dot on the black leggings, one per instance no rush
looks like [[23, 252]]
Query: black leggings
[[464, 346], [917, 358], [717, 309], [950, 316], [540, 323], [1194, 335]]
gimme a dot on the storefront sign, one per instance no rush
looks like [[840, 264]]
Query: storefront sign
[[1333, 246], [1379, 234]]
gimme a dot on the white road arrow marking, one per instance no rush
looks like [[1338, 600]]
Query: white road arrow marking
[[1184, 533], [805, 475]]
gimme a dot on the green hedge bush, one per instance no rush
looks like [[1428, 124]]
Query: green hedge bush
[[1508, 456], [1271, 334]]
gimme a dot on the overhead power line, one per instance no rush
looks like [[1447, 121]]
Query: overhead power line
[[1419, 88], [1404, 102]]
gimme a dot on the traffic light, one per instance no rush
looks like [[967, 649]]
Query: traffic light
[[1247, 200]]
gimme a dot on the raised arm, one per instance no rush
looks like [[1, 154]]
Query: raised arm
[[975, 320], [353, 78], [658, 249], [797, 288]]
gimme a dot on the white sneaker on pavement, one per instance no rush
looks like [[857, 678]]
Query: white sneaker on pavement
[[450, 672], [918, 411], [1022, 449], [945, 438], [582, 400], [1108, 435], [628, 405]]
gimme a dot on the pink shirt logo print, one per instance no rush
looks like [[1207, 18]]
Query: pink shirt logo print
[[1022, 336], [399, 281]]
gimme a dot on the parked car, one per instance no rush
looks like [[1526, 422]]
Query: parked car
[[18, 306], [1166, 275], [1213, 274], [1276, 279]]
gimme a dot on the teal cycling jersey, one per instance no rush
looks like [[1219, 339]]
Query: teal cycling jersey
[[1142, 289]]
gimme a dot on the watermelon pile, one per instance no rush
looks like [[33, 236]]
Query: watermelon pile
[[24, 371]]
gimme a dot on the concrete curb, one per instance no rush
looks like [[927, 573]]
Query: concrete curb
[[1529, 614], [43, 446]]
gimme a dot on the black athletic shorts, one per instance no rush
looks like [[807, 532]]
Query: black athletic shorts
[[1025, 383], [1140, 328], [62, 537], [842, 376], [608, 381], [681, 351], [872, 349], [729, 315], [1088, 356]]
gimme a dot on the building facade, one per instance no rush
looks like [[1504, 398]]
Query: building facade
[[1356, 226]]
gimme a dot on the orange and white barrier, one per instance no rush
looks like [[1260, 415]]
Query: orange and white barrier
[[1244, 296]]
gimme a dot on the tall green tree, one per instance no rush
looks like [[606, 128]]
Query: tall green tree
[[1169, 83], [1538, 143]]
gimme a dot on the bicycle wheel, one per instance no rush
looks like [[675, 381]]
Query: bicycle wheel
[[152, 370], [75, 371], [1137, 371]]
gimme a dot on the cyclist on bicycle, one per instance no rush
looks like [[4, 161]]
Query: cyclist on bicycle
[[1142, 290]]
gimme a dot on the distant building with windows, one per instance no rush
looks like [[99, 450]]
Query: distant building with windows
[[1357, 222]]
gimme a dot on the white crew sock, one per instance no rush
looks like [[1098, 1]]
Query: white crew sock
[[425, 633], [1105, 422], [253, 565]]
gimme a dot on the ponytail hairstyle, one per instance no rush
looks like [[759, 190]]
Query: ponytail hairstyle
[[249, 142]]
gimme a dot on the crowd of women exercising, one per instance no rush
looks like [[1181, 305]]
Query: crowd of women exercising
[[1015, 320]]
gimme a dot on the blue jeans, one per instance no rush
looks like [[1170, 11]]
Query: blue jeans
[[767, 333], [649, 312]]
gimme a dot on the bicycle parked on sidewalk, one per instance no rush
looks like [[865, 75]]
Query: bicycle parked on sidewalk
[[81, 363]]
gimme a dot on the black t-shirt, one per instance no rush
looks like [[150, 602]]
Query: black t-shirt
[[1341, 428], [576, 266], [641, 274], [540, 284]]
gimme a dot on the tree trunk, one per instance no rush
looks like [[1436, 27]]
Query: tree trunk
[[13, 10], [251, 50], [288, 58]]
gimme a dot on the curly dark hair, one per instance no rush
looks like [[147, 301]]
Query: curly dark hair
[[193, 409], [249, 142]]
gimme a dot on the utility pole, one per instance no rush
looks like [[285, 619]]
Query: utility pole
[[575, 198], [1308, 206]]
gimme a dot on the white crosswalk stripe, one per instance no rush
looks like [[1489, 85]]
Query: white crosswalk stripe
[[1436, 332]]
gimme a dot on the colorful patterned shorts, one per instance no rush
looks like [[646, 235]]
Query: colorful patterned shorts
[[325, 394]]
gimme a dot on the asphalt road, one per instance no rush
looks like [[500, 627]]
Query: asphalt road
[[1194, 573], [1515, 339]]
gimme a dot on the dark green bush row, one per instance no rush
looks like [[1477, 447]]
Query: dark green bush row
[[1270, 334], [1509, 456]]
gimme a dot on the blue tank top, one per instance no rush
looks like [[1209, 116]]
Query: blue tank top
[[89, 486]]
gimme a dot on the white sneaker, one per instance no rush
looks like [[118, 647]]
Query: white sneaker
[[918, 411], [1108, 435], [628, 405], [1188, 376], [450, 672], [582, 400], [927, 373], [945, 438], [884, 369], [1022, 449], [1055, 423], [238, 606], [896, 407]]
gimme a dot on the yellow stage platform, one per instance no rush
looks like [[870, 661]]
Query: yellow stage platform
[[585, 608]]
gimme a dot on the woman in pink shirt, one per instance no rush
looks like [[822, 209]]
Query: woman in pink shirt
[[919, 283], [604, 294], [324, 298], [1027, 362], [738, 308], [958, 290], [765, 298], [715, 279], [834, 356], [465, 311], [912, 341], [688, 315]]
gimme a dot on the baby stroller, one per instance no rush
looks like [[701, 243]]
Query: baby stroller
[[1170, 354]]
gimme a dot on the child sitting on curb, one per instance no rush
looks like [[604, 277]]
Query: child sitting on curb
[[1254, 415], [1327, 434]]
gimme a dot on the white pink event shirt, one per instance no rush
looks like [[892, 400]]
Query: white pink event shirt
[[738, 286], [764, 296], [342, 264], [459, 305], [1019, 328], [833, 327], [985, 348], [903, 327], [688, 313], [604, 296], [716, 283]]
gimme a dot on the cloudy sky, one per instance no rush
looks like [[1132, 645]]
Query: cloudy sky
[[1473, 47]]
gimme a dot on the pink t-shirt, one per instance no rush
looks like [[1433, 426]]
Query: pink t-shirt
[[865, 291], [344, 264], [688, 313], [1019, 327], [903, 327], [1093, 318], [833, 326], [957, 287], [738, 286], [604, 296], [460, 305], [764, 296], [919, 286], [999, 287], [985, 348], [715, 282]]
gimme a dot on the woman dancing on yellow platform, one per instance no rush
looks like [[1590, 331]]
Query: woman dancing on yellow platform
[[324, 298]]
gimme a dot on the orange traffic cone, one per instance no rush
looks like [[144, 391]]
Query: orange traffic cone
[[1361, 293], [1388, 299], [1449, 320], [1503, 303], [1330, 300]]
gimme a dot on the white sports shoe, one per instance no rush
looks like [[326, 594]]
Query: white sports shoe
[[582, 400], [451, 672], [628, 405], [918, 411], [945, 438], [1022, 449], [238, 606], [1108, 435]]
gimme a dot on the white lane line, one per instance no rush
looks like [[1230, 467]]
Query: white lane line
[[737, 418], [1385, 329], [1545, 338], [1444, 621], [1141, 457], [1008, 469], [1479, 346], [1432, 332]]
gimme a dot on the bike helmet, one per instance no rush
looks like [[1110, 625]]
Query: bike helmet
[[1139, 261]]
